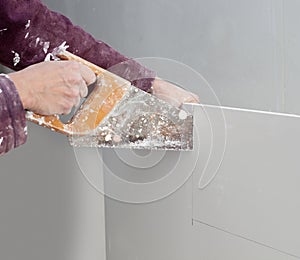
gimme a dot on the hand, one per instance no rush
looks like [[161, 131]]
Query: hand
[[53, 87], [172, 94]]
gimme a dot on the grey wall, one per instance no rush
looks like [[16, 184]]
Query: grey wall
[[47, 209], [247, 50]]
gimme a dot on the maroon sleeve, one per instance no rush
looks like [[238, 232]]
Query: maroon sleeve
[[29, 30], [13, 130]]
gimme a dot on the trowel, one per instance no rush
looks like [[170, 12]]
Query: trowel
[[117, 114]]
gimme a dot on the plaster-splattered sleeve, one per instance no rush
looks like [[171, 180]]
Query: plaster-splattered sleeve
[[13, 130], [29, 30]]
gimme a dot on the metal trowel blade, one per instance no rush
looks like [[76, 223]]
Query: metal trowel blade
[[136, 120]]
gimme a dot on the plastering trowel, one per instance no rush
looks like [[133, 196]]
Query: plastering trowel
[[117, 114]]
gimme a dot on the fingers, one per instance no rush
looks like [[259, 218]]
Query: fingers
[[83, 90], [87, 75], [77, 78], [77, 102], [77, 75], [191, 98]]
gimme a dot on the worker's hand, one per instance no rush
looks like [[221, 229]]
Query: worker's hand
[[172, 94], [53, 87]]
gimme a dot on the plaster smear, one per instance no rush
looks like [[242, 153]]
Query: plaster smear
[[1, 140], [37, 41], [46, 47], [57, 50], [27, 25], [16, 59], [60, 48], [4, 75]]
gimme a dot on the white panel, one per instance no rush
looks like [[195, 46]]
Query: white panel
[[210, 243], [255, 193], [161, 230], [292, 49], [47, 209]]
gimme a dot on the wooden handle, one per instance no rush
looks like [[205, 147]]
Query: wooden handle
[[99, 104]]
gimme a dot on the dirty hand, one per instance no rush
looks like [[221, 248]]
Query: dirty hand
[[52, 87], [172, 94]]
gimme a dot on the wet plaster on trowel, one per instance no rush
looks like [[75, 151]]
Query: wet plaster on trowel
[[57, 50], [137, 121]]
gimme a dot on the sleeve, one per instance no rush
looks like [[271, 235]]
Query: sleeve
[[13, 130], [29, 31]]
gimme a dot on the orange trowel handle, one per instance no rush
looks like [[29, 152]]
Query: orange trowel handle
[[53, 122]]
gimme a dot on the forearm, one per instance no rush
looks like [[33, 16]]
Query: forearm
[[13, 131], [30, 31]]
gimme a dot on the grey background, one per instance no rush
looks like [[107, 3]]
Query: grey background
[[248, 51]]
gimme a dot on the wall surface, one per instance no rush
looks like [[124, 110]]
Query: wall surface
[[249, 52]]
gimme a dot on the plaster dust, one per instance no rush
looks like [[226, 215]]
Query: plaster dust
[[139, 121]]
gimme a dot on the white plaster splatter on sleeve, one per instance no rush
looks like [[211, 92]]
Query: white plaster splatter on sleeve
[[51, 57], [60, 48], [3, 30], [16, 59], [46, 47], [1, 140], [4, 75], [0, 90], [27, 25], [48, 57], [26, 36], [55, 52], [37, 41]]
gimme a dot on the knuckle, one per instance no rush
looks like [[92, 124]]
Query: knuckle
[[73, 65], [73, 79], [72, 73], [65, 112], [66, 105], [71, 92], [75, 92], [84, 92]]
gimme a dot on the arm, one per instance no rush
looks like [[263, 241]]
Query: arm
[[29, 30], [13, 130]]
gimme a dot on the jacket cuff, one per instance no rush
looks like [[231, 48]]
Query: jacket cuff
[[13, 129]]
